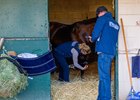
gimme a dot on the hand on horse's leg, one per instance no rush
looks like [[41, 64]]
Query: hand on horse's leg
[[85, 67]]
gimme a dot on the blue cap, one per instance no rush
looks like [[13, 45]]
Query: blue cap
[[100, 9]]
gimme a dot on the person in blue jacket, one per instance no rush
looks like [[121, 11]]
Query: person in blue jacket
[[67, 50], [105, 34]]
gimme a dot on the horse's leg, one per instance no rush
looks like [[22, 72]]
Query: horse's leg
[[82, 74]]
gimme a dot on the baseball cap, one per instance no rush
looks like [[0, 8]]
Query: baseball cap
[[100, 9]]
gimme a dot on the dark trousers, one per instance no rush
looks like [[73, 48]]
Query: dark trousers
[[64, 67]]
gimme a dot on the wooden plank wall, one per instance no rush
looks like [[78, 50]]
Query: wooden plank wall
[[128, 10], [70, 11]]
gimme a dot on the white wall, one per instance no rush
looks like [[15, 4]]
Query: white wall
[[129, 11]]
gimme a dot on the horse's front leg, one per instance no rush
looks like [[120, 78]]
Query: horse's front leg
[[82, 74]]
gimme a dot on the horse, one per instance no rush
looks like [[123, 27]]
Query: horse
[[78, 31]]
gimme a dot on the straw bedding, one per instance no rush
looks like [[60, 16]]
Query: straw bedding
[[77, 88]]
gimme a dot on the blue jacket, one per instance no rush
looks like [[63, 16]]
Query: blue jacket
[[105, 33], [65, 48]]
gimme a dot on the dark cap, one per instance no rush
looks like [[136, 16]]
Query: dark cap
[[100, 9]]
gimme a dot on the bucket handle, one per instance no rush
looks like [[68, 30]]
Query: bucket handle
[[138, 94], [1, 42], [138, 52]]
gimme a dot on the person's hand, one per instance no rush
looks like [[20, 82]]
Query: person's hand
[[71, 66], [90, 38], [85, 67]]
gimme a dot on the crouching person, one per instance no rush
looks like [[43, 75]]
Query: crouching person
[[69, 49]]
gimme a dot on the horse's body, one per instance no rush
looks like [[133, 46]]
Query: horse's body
[[78, 31]]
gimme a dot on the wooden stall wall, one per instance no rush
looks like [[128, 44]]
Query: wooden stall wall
[[129, 11], [70, 11]]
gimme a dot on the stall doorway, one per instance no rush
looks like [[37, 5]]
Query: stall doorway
[[67, 12]]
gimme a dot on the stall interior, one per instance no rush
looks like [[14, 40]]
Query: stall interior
[[62, 15]]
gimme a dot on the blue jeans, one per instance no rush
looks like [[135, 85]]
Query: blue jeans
[[104, 70]]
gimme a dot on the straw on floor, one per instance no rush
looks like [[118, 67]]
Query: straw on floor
[[77, 89]]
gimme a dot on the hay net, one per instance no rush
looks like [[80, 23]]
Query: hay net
[[12, 81]]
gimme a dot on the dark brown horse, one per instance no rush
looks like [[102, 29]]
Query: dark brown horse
[[78, 31]]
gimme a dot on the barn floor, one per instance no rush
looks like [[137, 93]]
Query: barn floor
[[78, 89]]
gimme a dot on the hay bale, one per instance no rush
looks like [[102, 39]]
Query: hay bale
[[11, 80]]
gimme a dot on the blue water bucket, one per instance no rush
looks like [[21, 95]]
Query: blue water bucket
[[133, 95], [136, 65]]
